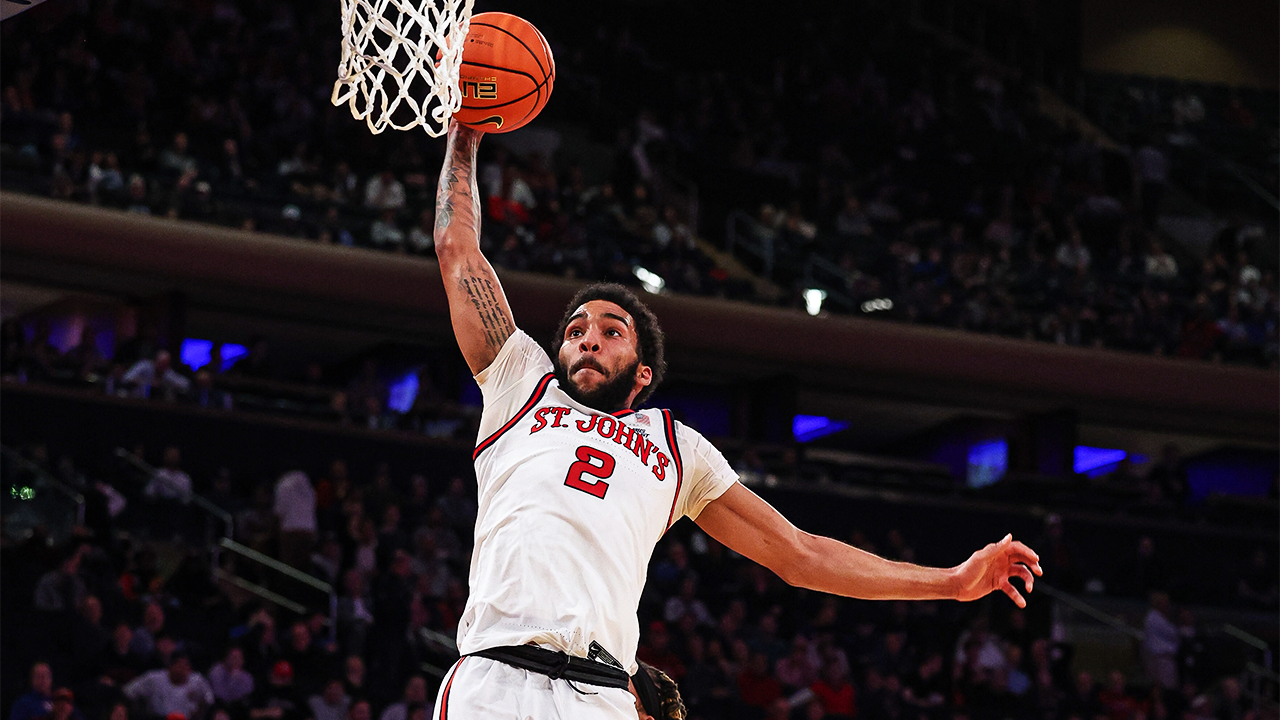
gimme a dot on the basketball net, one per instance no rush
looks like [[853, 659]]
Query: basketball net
[[389, 65]]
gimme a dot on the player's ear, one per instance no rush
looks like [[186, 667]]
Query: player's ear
[[644, 375]]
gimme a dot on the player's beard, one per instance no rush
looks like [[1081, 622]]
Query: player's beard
[[610, 396]]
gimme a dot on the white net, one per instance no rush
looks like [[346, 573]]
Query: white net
[[389, 75]]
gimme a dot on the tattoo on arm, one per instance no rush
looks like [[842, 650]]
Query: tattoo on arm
[[481, 288], [457, 194]]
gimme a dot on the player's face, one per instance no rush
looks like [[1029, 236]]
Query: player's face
[[599, 365]]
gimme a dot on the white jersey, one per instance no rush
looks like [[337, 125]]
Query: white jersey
[[571, 503]]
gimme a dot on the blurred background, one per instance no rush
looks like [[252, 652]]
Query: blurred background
[[930, 272]]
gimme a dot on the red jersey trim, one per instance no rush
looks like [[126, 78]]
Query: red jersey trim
[[538, 392]]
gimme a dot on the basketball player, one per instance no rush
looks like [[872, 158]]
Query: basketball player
[[576, 486]]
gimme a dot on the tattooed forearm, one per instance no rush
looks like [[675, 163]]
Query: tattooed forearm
[[486, 300], [481, 317], [457, 197]]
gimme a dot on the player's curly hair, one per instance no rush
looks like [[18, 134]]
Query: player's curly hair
[[668, 693], [651, 345]]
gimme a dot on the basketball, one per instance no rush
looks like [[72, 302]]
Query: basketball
[[507, 73]]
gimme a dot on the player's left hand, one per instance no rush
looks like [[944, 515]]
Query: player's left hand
[[993, 567]]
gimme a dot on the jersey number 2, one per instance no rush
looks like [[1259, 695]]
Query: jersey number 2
[[588, 457]]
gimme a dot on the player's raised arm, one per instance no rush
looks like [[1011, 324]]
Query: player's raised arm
[[478, 308], [747, 524]]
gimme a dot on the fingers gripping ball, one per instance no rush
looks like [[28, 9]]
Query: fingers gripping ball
[[507, 73]]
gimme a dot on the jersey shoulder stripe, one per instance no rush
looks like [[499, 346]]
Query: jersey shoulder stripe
[[538, 392], [669, 427]]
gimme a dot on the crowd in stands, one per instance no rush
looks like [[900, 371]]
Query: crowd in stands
[[137, 368], [127, 619], [875, 164]]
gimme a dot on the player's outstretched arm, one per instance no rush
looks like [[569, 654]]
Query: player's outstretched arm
[[744, 522], [478, 308]]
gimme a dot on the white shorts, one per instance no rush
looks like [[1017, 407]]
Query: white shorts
[[477, 688]]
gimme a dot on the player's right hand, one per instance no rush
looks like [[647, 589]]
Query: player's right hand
[[993, 567]]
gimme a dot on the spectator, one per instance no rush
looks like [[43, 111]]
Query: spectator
[[355, 614], [147, 376], [334, 231], [1257, 586], [353, 677], [231, 684], [1160, 265], [460, 510], [145, 636], [657, 651], [367, 385], [37, 702], [138, 202], [688, 604], [295, 508], [278, 699], [121, 663], [415, 693], [384, 192], [422, 237], [1073, 254], [64, 706], [836, 693], [106, 183], [756, 685], [332, 704], [308, 661], [360, 710], [1160, 643], [178, 160], [61, 590], [176, 689], [170, 482], [798, 670], [385, 234]]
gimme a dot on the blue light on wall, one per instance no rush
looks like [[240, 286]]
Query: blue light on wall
[[988, 462], [195, 354], [811, 427], [1096, 461], [403, 392], [232, 352]]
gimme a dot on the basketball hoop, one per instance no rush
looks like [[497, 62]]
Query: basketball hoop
[[389, 75]]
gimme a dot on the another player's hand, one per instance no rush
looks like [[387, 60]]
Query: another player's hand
[[993, 567]]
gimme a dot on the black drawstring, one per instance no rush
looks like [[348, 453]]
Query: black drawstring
[[562, 664]]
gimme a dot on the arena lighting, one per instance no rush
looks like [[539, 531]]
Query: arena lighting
[[812, 427], [813, 298], [195, 354], [1094, 461], [650, 280], [232, 352], [877, 304], [403, 392], [988, 462]]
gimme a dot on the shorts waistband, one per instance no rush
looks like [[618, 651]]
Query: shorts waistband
[[557, 665]]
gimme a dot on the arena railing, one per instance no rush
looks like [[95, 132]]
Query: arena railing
[[286, 570], [757, 243], [195, 499], [442, 643]]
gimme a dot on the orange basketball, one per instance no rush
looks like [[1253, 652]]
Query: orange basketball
[[507, 73]]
